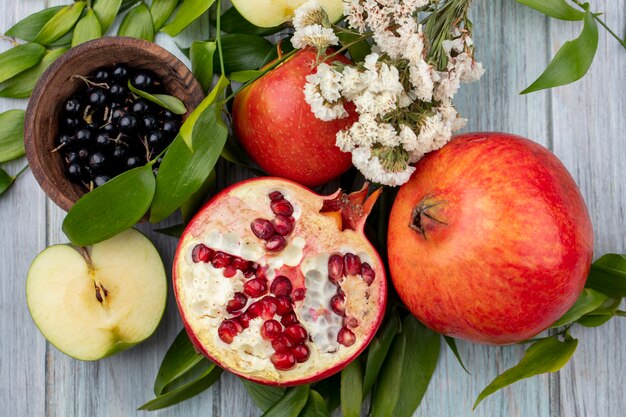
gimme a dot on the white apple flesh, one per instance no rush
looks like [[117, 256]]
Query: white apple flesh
[[94, 302], [270, 13]]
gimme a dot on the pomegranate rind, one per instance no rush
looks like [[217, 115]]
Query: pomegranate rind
[[368, 308]]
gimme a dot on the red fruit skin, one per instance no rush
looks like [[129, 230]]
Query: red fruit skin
[[515, 249], [280, 133], [201, 349]]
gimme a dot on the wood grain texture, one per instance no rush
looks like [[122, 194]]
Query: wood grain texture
[[583, 123]]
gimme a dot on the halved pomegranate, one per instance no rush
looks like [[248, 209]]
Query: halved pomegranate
[[278, 284]]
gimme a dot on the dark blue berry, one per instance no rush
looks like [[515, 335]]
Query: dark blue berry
[[133, 162], [74, 171], [70, 124], [97, 161], [97, 97], [149, 123], [120, 72], [83, 154], [170, 127], [101, 180], [117, 90], [141, 107], [101, 75], [127, 124], [143, 80], [73, 106]]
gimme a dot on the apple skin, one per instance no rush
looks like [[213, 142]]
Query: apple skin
[[276, 127], [514, 246]]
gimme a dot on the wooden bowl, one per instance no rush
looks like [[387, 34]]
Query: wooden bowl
[[57, 84]]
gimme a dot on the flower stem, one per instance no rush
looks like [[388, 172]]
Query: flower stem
[[218, 36], [20, 172], [597, 18]]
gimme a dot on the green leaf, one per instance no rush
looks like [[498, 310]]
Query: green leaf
[[179, 359], [191, 206], [22, 85], [315, 406], [233, 22], [138, 24], [201, 56], [5, 181], [378, 348], [358, 49], [290, 404], [451, 342], [110, 208], [418, 366], [245, 76], [171, 103], [64, 41], [173, 231], [572, 61], [602, 314], [559, 9], [545, 355], [106, 11], [87, 29], [330, 390], [264, 396], [188, 11], [20, 58], [161, 10], [588, 301], [186, 130], [243, 52], [127, 4], [28, 28], [11, 135], [608, 275], [352, 389], [183, 172], [186, 391], [387, 388], [61, 23]]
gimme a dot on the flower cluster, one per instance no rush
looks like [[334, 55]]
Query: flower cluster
[[403, 100]]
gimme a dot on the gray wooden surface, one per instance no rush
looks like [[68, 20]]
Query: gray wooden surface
[[583, 124]]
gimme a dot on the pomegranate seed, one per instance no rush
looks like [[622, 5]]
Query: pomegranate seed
[[244, 319], [351, 264], [201, 253], [289, 318], [230, 271], [335, 268], [337, 305], [221, 260], [301, 353], [346, 337], [241, 264], [271, 329], [270, 303], [276, 243], [298, 294], [282, 343], [259, 271], [351, 322], [284, 305], [283, 207], [255, 287], [297, 333], [249, 273], [281, 286], [367, 273], [276, 195], [283, 224], [237, 303], [265, 308], [228, 330], [341, 292], [283, 361], [262, 228]]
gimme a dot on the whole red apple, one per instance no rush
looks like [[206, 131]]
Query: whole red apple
[[490, 241], [280, 133]]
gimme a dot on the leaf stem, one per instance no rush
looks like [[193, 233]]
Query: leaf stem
[[20, 172], [262, 73], [597, 18], [218, 36]]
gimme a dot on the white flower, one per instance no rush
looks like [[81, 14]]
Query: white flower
[[353, 10], [321, 92], [408, 138], [316, 36], [372, 169], [447, 86], [468, 69], [420, 75], [309, 13]]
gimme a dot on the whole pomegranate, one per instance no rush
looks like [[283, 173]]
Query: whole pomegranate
[[280, 132], [490, 240], [278, 284]]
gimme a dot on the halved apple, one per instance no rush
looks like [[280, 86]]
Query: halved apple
[[270, 13], [93, 302]]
